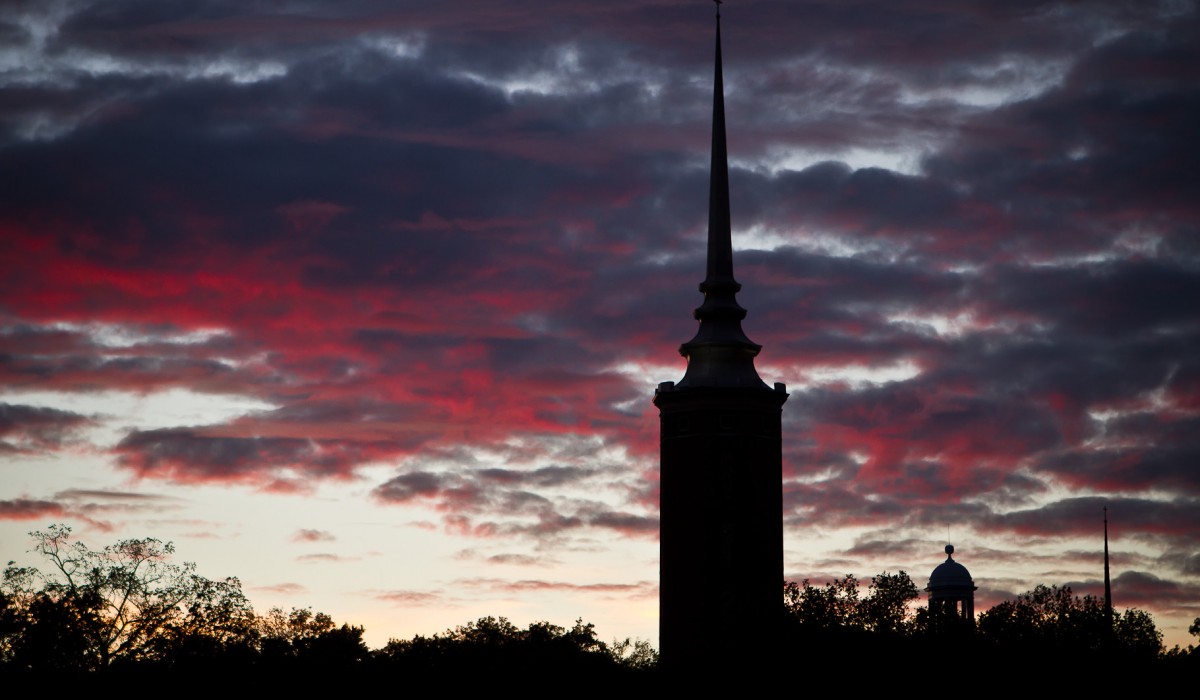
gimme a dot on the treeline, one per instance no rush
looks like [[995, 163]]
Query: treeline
[[128, 607], [885, 624]]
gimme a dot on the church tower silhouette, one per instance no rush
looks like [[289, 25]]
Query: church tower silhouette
[[721, 494]]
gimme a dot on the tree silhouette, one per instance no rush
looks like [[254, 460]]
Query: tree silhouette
[[125, 603], [1051, 620], [495, 645], [839, 605], [886, 609], [217, 624], [834, 605], [305, 638], [128, 606]]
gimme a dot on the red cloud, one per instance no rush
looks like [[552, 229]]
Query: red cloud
[[26, 509], [307, 535]]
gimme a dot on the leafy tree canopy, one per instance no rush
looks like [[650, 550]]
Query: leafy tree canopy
[[127, 602]]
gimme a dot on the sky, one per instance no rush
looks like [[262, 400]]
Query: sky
[[365, 302]]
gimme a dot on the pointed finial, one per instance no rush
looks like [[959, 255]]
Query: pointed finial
[[720, 354]]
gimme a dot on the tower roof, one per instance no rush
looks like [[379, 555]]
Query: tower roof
[[720, 355], [950, 574]]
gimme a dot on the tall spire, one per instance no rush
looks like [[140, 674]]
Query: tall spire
[[720, 241], [1108, 609], [720, 460], [720, 354]]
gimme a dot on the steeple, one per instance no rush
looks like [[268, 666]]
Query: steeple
[[720, 244], [720, 354], [720, 478], [1108, 609]]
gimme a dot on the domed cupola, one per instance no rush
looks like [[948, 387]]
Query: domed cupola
[[951, 591], [950, 574]]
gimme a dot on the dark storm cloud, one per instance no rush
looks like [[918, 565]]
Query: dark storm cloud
[[24, 338], [406, 487], [1121, 300], [1101, 155], [1144, 466], [630, 524], [493, 502], [544, 476], [1169, 523], [83, 373], [35, 429], [847, 301], [1177, 517], [908, 549], [1182, 561], [334, 411], [835, 505], [136, 356], [186, 455], [1143, 589], [874, 202]]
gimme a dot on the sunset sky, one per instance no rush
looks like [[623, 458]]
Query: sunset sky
[[365, 302]]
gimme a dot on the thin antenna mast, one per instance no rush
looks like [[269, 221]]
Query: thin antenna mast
[[1108, 609]]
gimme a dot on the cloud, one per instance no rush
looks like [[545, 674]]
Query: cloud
[[99, 506], [516, 560], [94, 507], [492, 502], [307, 535], [409, 598], [288, 588], [1079, 516], [129, 497], [191, 455], [1184, 562], [640, 589], [968, 242], [543, 477], [909, 549], [38, 429], [1140, 589], [324, 557], [406, 487], [27, 509]]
